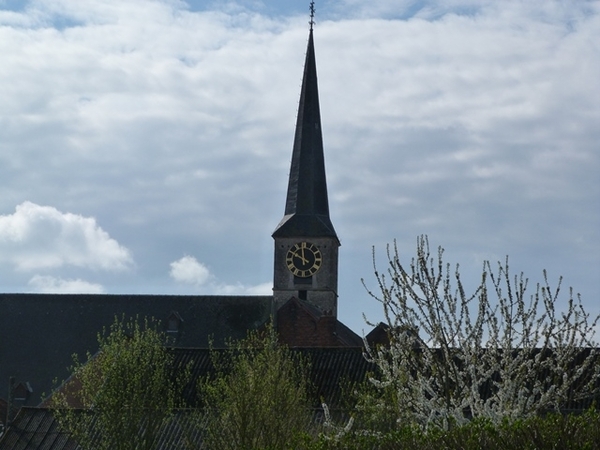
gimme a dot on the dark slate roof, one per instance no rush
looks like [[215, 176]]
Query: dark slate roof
[[307, 205], [331, 371], [347, 337], [37, 429], [335, 370], [40, 332]]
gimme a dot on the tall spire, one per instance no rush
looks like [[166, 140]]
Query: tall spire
[[307, 205]]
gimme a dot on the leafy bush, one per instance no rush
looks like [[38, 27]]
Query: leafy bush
[[552, 432], [126, 392], [258, 397]]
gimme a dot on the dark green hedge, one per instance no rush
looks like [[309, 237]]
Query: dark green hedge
[[552, 432]]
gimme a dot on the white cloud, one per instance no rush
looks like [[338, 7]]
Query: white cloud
[[239, 289], [189, 271], [41, 237], [52, 285], [260, 289]]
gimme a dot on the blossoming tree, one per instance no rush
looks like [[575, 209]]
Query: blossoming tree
[[500, 351]]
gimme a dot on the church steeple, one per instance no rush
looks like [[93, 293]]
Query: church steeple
[[307, 205], [306, 244]]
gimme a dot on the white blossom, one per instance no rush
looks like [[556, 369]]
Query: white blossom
[[498, 352]]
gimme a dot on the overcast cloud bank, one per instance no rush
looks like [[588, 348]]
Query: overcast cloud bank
[[156, 129]]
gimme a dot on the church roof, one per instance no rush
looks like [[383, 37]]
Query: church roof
[[40, 332], [38, 429], [307, 205], [331, 371]]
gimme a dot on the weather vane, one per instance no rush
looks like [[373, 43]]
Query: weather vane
[[312, 15]]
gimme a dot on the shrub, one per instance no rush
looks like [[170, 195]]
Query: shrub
[[258, 397]]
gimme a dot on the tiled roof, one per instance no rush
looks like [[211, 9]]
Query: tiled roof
[[40, 332], [37, 429], [331, 370], [335, 370]]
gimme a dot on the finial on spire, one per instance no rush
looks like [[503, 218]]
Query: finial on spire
[[312, 15]]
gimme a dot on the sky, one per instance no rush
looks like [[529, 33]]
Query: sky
[[145, 144]]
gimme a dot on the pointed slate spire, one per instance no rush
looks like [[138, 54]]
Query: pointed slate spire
[[307, 205]]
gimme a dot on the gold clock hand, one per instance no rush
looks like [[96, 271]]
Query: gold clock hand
[[304, 260]]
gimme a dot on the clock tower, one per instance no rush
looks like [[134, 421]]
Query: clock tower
[[306, 244]]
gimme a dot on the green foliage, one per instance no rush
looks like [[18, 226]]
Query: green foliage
[[126, 391], [552, 432], [258, 397]]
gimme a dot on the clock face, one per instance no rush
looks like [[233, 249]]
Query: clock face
[[303, 259]]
